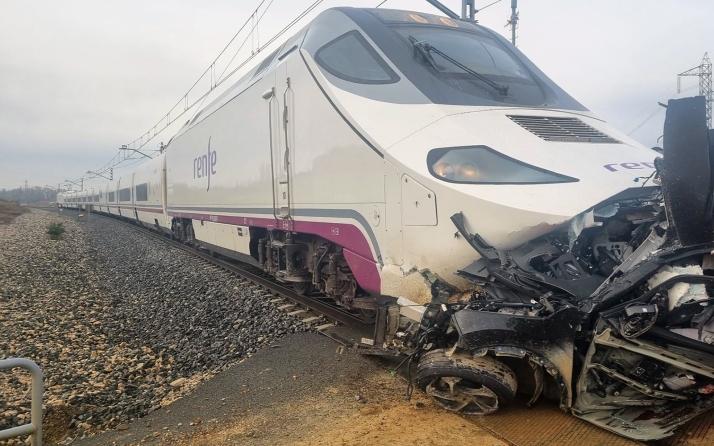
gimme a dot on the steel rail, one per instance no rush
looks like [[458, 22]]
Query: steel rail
[[330, 312]]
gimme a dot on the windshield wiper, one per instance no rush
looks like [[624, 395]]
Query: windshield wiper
[[424, 49]]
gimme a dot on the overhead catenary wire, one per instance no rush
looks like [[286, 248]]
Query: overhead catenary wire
[[117, 160], [184, 99], [654, 113], [253, 53], [275, 37], [246, 61], [655, 102], [650, 104]]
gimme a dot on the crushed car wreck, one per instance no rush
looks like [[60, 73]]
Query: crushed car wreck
[[613, 315]]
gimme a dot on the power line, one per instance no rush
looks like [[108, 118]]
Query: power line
[[275, 37], [184, 99], [245, 40], [650, 104], [645, 121], [121, 157], [218, 81], [655, 112]]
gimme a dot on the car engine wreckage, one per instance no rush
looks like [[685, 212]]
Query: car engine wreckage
[[613, 315]]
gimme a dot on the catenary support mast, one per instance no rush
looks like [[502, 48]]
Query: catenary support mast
[[704, 71]]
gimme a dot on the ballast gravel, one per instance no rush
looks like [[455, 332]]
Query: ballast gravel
[[120, 323]]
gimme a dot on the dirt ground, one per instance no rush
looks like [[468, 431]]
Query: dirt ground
[[10, 210], [305, 391], [379, 414]]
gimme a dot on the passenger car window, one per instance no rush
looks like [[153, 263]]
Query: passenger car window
[[352, 58], [142, 192]]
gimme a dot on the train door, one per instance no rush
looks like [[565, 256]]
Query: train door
[[283, 126], [393, 217], [162, 186], [133, 196], [118, 198]]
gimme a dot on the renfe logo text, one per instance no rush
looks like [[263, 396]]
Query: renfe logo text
[[205, 165], [630, 166]]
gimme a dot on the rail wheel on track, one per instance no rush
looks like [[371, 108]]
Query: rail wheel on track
[[466, 385], [303, 288]]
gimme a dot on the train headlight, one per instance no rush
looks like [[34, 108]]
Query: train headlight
[[444, 170], [483, 165]]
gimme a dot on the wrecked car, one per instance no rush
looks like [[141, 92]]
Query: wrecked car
[[613, 315]]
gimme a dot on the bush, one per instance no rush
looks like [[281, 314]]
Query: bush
[[55, 230]]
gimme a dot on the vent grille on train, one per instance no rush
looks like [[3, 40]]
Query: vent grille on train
[[561, 129]]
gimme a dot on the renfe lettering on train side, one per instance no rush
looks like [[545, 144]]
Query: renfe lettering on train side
[[205, 165], [630, 166]]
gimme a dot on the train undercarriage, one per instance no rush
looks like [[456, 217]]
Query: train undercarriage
[[311, 265]]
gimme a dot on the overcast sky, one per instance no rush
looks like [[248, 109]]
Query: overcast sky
[[80, 78]]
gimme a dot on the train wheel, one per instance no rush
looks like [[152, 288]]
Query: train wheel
[[466, 385], [303, 288], [369, 316]]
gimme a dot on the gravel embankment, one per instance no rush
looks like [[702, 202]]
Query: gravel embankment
[[121, 324]]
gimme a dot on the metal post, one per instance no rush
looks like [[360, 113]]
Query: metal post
[[514, 21], [704, 71], [34, 429]]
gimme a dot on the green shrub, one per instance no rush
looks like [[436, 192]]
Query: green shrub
[[55, 230]]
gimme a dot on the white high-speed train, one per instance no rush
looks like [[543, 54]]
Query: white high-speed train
[[338, 163], [422, 170]]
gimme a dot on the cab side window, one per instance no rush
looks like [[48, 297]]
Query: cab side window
[[352, 58]]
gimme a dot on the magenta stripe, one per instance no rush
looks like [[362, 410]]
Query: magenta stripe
[[357, 249], [344, 234], [365, 271]]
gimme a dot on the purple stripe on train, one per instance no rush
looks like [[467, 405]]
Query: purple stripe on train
[[358, 252]]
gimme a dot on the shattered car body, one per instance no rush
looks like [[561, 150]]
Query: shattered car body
[[613, 315]]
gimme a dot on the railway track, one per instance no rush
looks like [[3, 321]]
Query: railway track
[[311, 310]]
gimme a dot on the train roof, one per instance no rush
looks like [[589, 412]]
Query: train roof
[[387, 16]]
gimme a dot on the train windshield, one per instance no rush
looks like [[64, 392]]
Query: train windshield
[[407, 57], [472, 63], [477, 52]]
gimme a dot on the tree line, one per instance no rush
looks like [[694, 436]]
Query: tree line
[[30, 195]]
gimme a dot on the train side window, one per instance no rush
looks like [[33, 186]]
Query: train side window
[[352, 58], [142, 192]]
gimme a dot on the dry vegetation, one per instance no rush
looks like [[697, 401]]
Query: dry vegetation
[[9, 210]]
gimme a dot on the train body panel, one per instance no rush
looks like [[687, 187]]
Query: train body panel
[[148, 189], [301, 174], [125, 200]]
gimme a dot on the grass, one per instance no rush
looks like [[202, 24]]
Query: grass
[[9, 210], [55, 230]]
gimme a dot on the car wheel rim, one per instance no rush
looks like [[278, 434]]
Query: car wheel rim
[[462, 396]]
